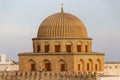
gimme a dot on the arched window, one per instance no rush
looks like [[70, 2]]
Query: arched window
[[47, 65], [89, 65], [98, 65], [68, 47], [63, 66], [46, 47], [32, 65], [81, 65], [38, 48], [57, 47]]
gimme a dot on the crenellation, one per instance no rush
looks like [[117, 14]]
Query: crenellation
[[12, 75]]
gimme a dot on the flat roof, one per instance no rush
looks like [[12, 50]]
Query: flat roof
[[111, 62]]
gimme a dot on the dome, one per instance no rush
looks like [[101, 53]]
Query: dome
[[62, 25]]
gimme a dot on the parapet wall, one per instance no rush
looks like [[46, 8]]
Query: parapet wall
[[47, 76]]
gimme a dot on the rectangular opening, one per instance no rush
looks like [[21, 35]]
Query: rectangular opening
[[47, 66], [62, 67], [57, 48], [78, 48], [68, 48], [32, 67], [46, 48], [78, 67]]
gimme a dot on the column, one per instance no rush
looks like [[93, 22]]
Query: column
[[63, 47], [83, 47], [51, 47], [74, 48]]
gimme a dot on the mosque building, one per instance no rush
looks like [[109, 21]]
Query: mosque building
[[62, 44]]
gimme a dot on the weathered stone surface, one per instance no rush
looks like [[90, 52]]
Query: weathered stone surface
[[46, 76]]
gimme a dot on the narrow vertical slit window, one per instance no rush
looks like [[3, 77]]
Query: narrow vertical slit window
[[78, 67]]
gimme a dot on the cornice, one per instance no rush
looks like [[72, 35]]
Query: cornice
[[66, 38]]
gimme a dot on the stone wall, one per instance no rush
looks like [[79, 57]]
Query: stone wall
[[47, 76], [112, 68], [70, 60]]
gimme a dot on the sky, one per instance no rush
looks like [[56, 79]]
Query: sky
[[20, 20]]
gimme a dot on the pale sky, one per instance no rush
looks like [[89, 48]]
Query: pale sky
[[20, 20]]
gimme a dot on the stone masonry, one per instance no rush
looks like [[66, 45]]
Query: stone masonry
[[47, 76]]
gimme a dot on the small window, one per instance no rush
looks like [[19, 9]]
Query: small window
[[78, 67], [88, 66], [105, 67], [57, 48], [110, 67], [46, 48], [62, 67], [78, 48], [48, 66], [68, 48], [116, 67], [32, 67]]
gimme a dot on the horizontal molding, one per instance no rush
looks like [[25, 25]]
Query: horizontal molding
[[41, 54], [67, 38]]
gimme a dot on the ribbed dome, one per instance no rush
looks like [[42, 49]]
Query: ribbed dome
[[61, 25]]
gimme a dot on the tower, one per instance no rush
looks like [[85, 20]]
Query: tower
[[62, 44]]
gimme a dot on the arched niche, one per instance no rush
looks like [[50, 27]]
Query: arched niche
[[69, 46], [90, 65], [57, 46], [98, 65], [81, 65], [47, 65], [46, 47], [62, 65], [32, 65]]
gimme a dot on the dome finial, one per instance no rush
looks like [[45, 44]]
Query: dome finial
[[62, 8]]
